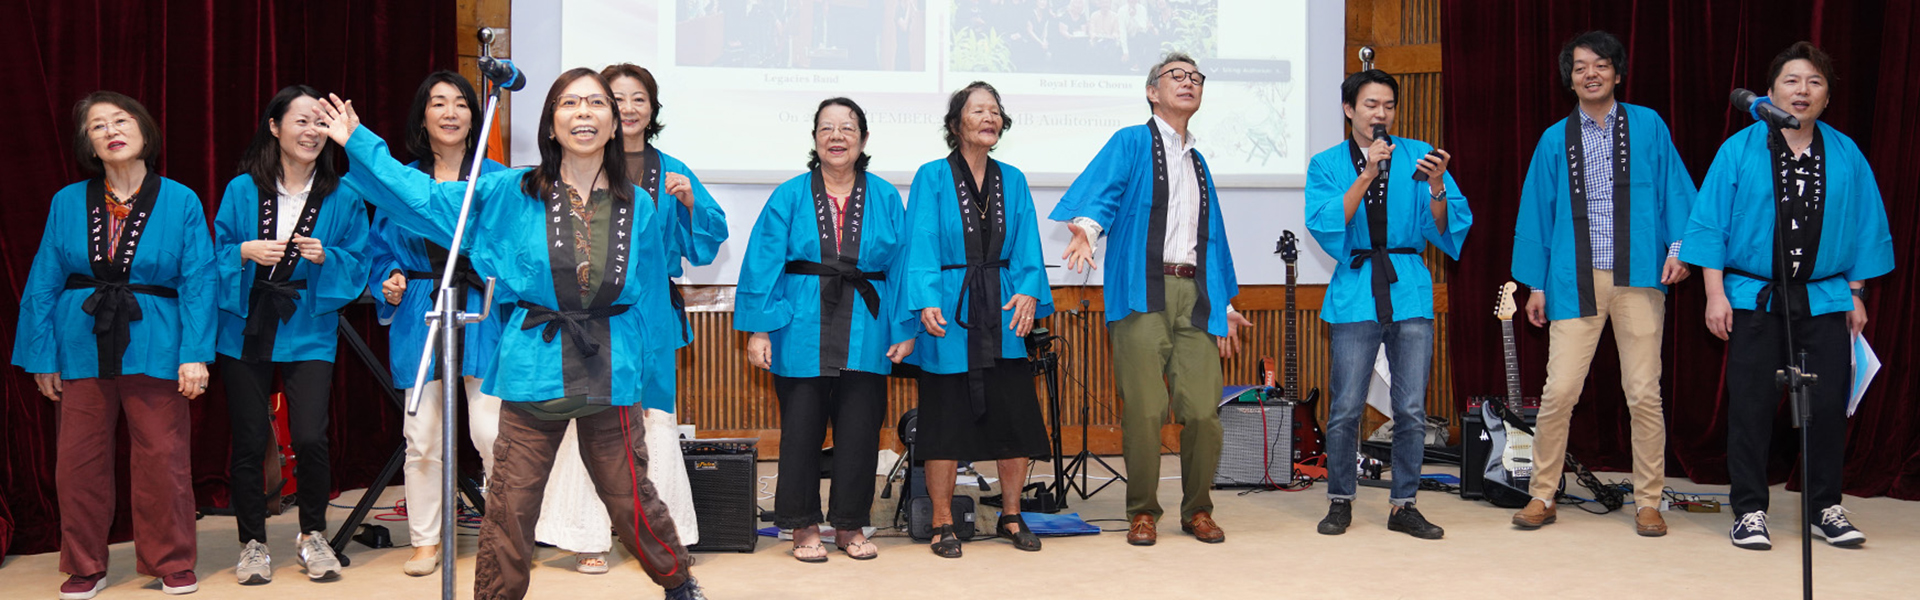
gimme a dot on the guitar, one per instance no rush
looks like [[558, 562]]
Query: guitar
[[1517, 457], [1309, 441], [278, 466]]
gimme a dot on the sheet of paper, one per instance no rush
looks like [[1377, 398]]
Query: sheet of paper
[[1865, 365]]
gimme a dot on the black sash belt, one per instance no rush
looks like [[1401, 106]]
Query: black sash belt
[[1763, 301], [982, 344], [276, 301], [1384, 276], [463, 276], [114, 310], [679, 308], [570, 320], [862, 281]]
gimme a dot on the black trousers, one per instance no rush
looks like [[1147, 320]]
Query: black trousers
[[1755, 350], [249, 407], [854, 404]]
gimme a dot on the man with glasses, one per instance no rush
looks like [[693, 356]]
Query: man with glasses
[[1373, 203], [1168, 281]]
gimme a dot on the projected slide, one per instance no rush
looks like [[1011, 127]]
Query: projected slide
[[740, 78]]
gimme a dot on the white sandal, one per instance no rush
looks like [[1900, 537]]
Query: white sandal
[[590, 563]]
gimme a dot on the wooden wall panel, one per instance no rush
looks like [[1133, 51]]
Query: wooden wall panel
[[725, 397]]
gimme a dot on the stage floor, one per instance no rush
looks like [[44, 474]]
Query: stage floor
[[1271, 551]]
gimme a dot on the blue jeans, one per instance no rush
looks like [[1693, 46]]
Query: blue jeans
[[1409, 358]]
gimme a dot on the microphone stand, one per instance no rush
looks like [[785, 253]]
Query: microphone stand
[[1799, 383], [1079, 463], [442, 323]]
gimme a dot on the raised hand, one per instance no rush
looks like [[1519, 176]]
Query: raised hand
[[339, 119]]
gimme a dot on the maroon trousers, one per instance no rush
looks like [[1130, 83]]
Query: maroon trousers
[[613, 445], [160, 426]]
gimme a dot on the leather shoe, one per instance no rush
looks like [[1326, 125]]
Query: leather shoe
[[1203, 528], [1648, 522], [1536, 515], [1140, 532]]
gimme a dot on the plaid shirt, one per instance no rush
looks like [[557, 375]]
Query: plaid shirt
[[1596, 141]]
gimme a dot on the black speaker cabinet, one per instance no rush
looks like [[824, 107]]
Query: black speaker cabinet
[[722, 475], [1257, 444], [1476, 446], [920, 518]]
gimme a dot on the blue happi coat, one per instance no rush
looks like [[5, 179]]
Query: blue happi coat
[[790, 307], [1732, 222], [392, 248], [939, 240], [312, 332], [1410, 224], [694, 235], [1547, 250], [1116, 190], [56, 334], [510, 241]]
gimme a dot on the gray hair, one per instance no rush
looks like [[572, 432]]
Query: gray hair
[[1166, 59]]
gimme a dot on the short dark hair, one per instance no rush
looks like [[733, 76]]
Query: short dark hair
[[83, 145], [261, 160], [539, 180], [859, 116], [421, 146], [1350, 89], [1599, 42], [1802, 51], [958, 103], [645, 78]]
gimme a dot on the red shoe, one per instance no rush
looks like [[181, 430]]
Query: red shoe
[[180, 583], [82, 587]]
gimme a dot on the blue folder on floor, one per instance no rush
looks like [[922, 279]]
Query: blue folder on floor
[[1058, 525]]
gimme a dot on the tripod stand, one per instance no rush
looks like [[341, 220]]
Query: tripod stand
[[1081, 463], [385, 478]]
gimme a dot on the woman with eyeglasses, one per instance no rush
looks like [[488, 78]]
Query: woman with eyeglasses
[[405, 275], [819, 295], [579, 255], [571, 517], [289, 242], [117, 316]]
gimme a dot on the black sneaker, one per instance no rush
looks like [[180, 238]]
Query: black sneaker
[[1408, 520], [1836, 530], [1339, 516], [1750, 531]]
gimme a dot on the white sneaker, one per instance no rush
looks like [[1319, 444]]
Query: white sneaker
[[317, 556], [256, 566]]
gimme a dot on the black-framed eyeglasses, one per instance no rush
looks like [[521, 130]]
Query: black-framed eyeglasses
[[1180, 75]]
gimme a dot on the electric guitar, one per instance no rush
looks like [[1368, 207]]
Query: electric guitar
[[1517, 457], [1308, 439]]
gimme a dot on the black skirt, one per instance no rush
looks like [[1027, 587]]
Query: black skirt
[[1011, 428]]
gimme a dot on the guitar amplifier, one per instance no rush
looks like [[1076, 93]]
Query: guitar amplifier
[[1257, 444], [722, 473], [1476, 447]]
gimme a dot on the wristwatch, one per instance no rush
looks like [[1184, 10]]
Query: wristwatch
[[1859, 292]]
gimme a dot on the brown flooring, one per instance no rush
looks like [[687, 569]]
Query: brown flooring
[[1271, 551]]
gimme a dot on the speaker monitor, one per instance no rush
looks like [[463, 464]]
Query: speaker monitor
[[722, 475], [1476, 446], [1257, 444], [920, 518]]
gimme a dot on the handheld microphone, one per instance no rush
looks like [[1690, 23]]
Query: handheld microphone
[[1380, 133], [1763, 109], [502, 73]]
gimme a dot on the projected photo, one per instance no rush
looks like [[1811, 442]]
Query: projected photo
[[845, 35], [1080, 37]]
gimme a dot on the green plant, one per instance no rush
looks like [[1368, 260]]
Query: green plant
[[1193, 32], [981, 53]]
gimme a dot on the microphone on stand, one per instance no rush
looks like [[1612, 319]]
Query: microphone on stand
[[1763, 109], [500, 71]]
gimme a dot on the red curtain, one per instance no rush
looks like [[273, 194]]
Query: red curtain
[[1503, 89], [204, 69]]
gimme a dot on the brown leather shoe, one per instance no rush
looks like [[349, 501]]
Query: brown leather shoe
[[1537, 513], [1140, 532], [1648, 522], [1203, 528]]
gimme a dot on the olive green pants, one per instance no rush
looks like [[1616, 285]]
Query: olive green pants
[[1161, 359]]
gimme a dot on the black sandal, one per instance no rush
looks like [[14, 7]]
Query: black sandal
[[848, 549], [1023, 539], [810, 559], [949, 544]]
